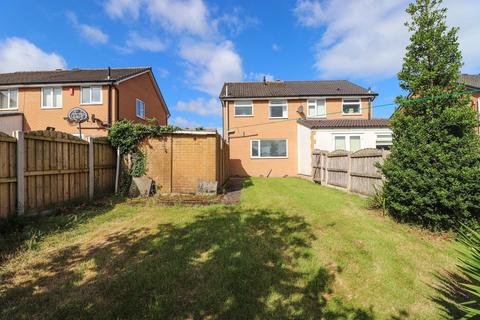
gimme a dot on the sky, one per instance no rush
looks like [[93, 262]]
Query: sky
[[194, 46]]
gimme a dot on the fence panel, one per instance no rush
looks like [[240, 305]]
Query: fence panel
[[8, 180], [365, 175], [357, 172], [56, 169], [337, 168], [105, 161]]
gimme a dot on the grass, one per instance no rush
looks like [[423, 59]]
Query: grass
[[291, 250]]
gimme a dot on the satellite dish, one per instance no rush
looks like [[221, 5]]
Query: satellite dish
[[77, 115]]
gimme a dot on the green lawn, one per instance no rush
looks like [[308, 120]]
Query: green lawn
[[291, 250]]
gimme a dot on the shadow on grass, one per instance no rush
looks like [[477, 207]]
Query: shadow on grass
[[228, 263], [25, 232], [450, 294]]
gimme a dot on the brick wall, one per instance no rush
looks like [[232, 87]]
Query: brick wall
[[179, 162]]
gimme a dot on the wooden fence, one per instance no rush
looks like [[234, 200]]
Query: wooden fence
[[42, 169], [356, 172]]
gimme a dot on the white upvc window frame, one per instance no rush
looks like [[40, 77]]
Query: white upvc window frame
[[242, 106], [347, 140], [284, 105], [136, 110], [259, 149], [53, 106], [351, 103], [8, 108], [91, 102], [315, 101]]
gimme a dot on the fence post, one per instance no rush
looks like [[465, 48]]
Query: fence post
[[117, 171], [349, 171], [91, 168], [20, 172], [326, 169]]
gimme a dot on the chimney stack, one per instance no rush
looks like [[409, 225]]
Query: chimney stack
[[109, 74]]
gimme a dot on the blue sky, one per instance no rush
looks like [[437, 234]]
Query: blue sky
[[194, 46]]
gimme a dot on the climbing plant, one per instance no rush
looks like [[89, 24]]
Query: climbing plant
[[126, 136]]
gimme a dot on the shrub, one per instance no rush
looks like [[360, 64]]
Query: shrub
[[470, 267], [433, 172]]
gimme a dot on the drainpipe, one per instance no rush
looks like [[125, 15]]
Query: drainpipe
[[117, 103], [109, 108]]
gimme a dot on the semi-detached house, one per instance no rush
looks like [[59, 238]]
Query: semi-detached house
[[272, 127], [37, 100]]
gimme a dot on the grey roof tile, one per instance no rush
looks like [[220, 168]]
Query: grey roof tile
[[471, 80], [278, 88], [345, 123]]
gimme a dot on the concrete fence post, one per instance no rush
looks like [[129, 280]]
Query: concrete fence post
[[91, 168], [20, 172]]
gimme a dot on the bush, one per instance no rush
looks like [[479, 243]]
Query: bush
[[433, 172], [470, 268]]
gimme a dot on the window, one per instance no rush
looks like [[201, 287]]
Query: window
[[354, 143], [52, 97], [269, 148], [348, 142], [340, 143], [316, 108], [243, 109], [91, 95], [351, 106], [140, 108], [8, 99], [384, 141], [278, 109]]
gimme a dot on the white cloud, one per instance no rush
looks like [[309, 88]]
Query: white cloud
[[137, 41], [190, 16], [236, 21], [309, 12], [201, 106], [185, 123], [123, 8], [163, 73], [90, 33], [357, 46], [209, 65], [18, 54]]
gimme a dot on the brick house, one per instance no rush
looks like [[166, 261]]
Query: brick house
[[37, 100], [273, 126]]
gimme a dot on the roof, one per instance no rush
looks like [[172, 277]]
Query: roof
[[9, 114], [69, 76], [344, 123], [279, 88], [471, 80]]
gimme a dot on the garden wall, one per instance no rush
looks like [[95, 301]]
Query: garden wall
[[179, 162]]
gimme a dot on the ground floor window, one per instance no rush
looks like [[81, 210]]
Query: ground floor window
[[269, 148], [384, 141], [348, 142]]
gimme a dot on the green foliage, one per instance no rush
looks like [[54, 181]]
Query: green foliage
[[126, 134], [470, 267], [139, 164], [432, 175], [377, 200]]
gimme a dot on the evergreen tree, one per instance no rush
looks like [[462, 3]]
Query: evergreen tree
[[433, 172]]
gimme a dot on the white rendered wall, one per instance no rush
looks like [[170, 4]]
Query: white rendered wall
[[325, 138]]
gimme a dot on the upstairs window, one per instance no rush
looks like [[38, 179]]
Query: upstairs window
[[91, 95], [52, 98], [278, 109], [351, 106], [8, 99], [140, 108], [243, 109], [316, 108]]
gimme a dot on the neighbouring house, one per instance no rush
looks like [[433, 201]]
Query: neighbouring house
[[273, 126], [472, 83], [42, 99]]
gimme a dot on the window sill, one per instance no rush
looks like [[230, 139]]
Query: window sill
[[143, 118], [8, 109], [274, 118], [260, 158], [245, 116], [352, 114], [49, 108], [316, 117], [92, 104]]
